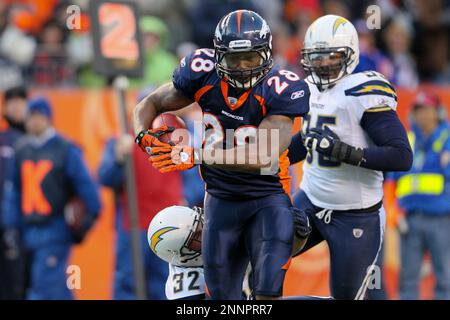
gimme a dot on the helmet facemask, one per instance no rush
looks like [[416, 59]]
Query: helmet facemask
[[191, 248], [326, 66], [228, 66]]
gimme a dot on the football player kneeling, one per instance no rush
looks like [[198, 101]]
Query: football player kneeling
[[174, 235]]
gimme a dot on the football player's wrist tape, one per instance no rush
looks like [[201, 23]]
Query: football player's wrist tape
[[347, 153], [139, 137]]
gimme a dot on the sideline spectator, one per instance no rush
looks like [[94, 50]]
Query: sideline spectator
[[424, 195], [158, 62], [397, 36], [47, 172], [12, 264]]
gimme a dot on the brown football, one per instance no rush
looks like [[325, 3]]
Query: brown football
[[179, 136], [74, 213]]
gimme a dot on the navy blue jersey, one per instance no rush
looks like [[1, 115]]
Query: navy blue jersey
[[280, 93]]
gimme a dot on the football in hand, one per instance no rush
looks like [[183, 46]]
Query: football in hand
[[180, 136], [75, 213]]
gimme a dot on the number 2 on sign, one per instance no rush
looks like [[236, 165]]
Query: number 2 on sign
[[118, 41]]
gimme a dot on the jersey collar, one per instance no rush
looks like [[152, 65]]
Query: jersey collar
[[239, 102]]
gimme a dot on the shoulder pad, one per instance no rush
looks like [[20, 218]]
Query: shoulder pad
[[285, 93], [190, 75], [370, 83], [373, 91], [199, 62]]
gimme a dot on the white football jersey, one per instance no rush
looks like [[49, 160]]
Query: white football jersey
[[339, 186], [184, 282]]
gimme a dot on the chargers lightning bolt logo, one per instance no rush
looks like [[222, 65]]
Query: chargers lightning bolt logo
[[156, 237], [339, 21]]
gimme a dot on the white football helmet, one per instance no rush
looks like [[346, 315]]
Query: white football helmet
[[174, 235], [330, 50]]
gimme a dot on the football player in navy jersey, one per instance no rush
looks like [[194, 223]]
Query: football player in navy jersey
[[248, 214]]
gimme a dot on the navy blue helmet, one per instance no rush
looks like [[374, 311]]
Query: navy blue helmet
[[243, 48]]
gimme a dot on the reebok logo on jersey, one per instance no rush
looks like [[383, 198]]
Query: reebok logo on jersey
[[297, 94], [357, 233]]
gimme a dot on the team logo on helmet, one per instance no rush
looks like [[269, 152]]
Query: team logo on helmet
[[339, 21], [265, 30], [156, 237]]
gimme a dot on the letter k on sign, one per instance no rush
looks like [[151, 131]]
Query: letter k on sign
[[33, 199]]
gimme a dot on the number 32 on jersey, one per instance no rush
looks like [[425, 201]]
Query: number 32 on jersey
[[184, 282]]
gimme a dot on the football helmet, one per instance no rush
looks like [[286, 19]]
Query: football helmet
[[330, 50], [243, 35], [174, 235]]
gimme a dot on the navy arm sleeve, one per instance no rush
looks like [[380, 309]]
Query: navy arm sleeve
[[110, 172], [82, 182], [392, 151], [297, 150]]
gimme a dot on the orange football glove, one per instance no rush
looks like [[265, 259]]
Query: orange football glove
[[148, 140], [178, 159]]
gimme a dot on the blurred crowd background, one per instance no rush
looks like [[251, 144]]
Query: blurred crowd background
[[36, 47], [40, 55]]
